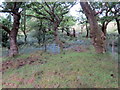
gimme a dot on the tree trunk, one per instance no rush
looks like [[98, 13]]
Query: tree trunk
[[13, 35], [62, 29], [44, 39], [74, 34], [67, 31], [24, 31], [57, 40], [96, 34], [25, 37], [56, 34], [118, 25], [82, 27], [87, 30], [104, 27], [68, 34], [49, 29]]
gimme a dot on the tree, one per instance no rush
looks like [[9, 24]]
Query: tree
[[4, 39], [84, 21], [96, 34], [107, 12], [66, 24], [53, 12], [116, 13], [13, 9], [40, 31], [23, 23]]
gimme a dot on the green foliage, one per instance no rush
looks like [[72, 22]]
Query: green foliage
[[4, 39], [53, 12], [41, 33], [67, 21]]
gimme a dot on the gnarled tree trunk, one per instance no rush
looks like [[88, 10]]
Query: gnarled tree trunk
[[14, 31], [13, 35], [96, 34]]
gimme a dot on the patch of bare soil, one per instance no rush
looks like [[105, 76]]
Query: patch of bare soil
[[15, 64]]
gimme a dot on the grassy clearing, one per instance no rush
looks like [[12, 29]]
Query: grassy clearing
[[66, 70]]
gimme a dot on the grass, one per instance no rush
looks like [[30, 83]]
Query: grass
[[66, 70]]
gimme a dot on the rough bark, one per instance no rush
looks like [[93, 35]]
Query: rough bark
[[14, 31], [13, 35], [57, 40], [56, 33], [96, 34]]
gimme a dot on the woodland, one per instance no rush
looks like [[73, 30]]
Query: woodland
[[43, 46]]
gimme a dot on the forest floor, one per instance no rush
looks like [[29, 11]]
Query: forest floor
[[74, 68]]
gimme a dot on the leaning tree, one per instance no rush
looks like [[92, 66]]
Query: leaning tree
[[96, 34]]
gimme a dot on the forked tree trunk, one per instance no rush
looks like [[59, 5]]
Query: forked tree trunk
[[96, 34], [13, 35]]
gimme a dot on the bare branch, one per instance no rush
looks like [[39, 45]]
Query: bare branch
[[5, 11]]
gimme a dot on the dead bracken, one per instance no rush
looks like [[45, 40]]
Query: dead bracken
[[15, 64]]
